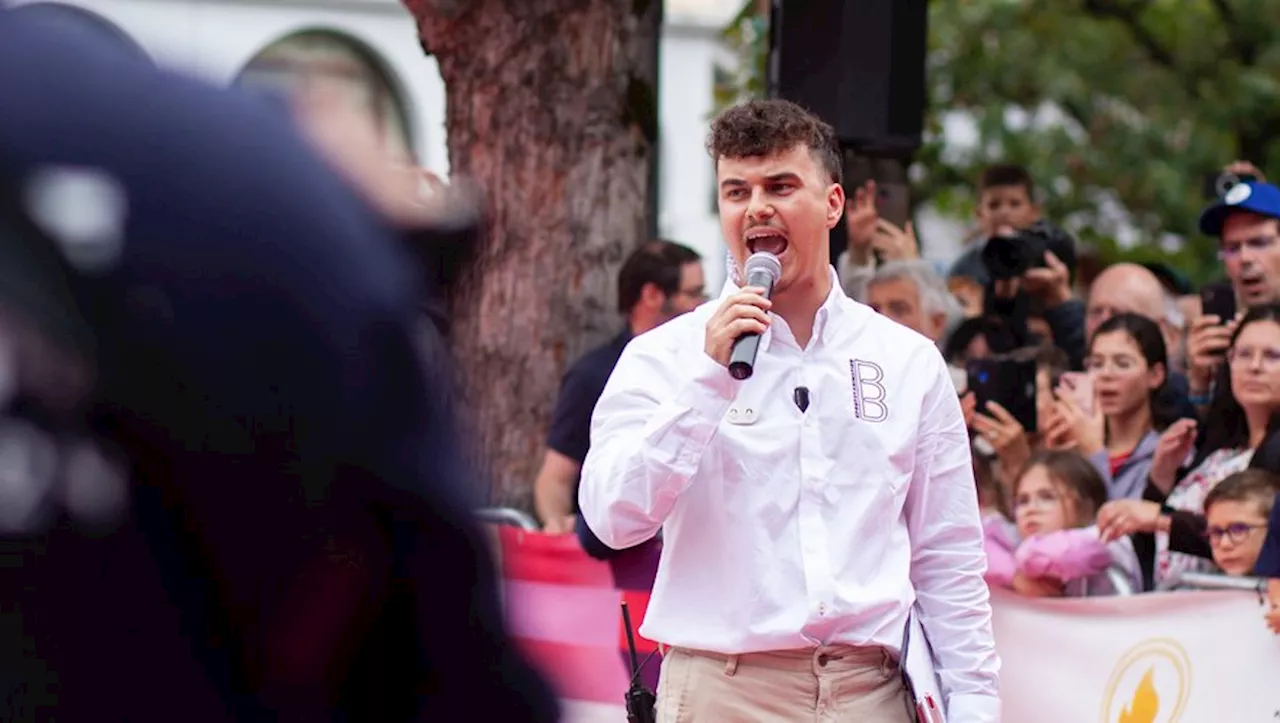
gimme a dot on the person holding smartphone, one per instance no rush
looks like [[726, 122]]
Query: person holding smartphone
[[1115, 412], [873, 239], [1246, 221]]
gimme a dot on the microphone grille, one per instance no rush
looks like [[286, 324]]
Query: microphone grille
[[765, 262]]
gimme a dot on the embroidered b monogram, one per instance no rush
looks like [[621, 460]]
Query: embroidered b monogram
[[869, 402]]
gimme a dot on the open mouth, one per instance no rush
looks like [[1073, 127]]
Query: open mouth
[[1251, 285], [768, 240]]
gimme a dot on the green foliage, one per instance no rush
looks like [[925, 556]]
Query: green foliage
[[1120, 109], [747, 37]]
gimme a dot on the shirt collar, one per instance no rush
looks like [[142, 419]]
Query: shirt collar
[[831, 309]]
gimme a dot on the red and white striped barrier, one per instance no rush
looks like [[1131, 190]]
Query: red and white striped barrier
[[563, 609], [1153, 658]]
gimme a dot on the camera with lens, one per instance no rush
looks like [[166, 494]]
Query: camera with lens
[[1011, 256]]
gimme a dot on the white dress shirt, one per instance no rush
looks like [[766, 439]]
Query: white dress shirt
[[786, 530]]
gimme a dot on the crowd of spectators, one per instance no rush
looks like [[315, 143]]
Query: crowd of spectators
[[1123, 426]]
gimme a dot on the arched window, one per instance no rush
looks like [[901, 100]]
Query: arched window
[[322, 59]]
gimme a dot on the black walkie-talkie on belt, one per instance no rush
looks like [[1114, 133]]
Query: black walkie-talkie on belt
[[641, 701]]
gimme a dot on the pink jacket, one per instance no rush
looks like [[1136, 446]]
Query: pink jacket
[[1077, 557], [1064, 555]]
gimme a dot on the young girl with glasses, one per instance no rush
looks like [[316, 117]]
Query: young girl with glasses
[[1055, 500]]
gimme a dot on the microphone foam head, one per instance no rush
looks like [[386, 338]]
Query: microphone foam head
[[763, 261]]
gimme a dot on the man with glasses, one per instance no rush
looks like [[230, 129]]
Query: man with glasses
[[658, 282], [1246, 221]]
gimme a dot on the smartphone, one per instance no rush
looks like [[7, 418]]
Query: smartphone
[[1079, 385], [1011, 383], [1218, 299], [893, 203]]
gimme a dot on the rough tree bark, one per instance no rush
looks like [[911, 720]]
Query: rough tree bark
[[552, 109]]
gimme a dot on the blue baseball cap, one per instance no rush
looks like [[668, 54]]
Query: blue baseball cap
[[1252, 196]]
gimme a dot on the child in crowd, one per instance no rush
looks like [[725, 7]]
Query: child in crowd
[[1236, 513], [1006, 203], [1055, 500]]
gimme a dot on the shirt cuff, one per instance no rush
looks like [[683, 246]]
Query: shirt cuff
[[973, 709]]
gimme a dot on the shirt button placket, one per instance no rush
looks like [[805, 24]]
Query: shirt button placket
[[813, 533]]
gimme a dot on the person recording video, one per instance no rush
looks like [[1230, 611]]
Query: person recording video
[[809, 496]]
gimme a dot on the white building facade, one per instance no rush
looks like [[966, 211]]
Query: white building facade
[[372, 47]]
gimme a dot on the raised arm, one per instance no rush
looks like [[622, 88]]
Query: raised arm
[[947, 561]]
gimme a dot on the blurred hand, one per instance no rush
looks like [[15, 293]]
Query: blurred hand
[[860, 217], [1206, 349], [1005, 435], [1051, 284], [1088, 431], [969, 407], [1244, 168], [1171, 451], [1058, 433], [560, 525], [895, 244], [1120, 518], [1037, 587], [969, 293]]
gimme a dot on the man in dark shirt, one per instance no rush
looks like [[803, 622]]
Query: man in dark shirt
[[659, 281], [298, 541]]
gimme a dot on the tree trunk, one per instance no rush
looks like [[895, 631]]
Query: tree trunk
[[552, 110]]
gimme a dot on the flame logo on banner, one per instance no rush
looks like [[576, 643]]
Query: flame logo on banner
[[1145, 703], [1150, 684]]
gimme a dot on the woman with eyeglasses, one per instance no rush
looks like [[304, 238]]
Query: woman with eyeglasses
[[1114, 415], [1245, 401]]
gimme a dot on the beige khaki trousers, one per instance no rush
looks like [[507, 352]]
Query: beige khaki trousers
[[823, 685]]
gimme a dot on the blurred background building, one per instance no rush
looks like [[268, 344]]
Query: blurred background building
[[370, 49]]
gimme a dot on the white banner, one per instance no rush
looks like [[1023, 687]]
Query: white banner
[[1194, 657]]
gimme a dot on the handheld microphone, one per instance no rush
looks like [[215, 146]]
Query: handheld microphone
[[763, 270]]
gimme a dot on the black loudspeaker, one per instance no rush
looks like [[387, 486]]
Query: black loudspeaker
[[858, 64]]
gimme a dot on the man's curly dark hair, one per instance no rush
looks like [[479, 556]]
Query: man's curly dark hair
[[764, 127]]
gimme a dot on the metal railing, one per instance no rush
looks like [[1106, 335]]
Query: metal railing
[[1210, 581], [507, 516], [1120, 581]]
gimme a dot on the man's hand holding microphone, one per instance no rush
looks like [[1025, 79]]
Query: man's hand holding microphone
[[733, 331]]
